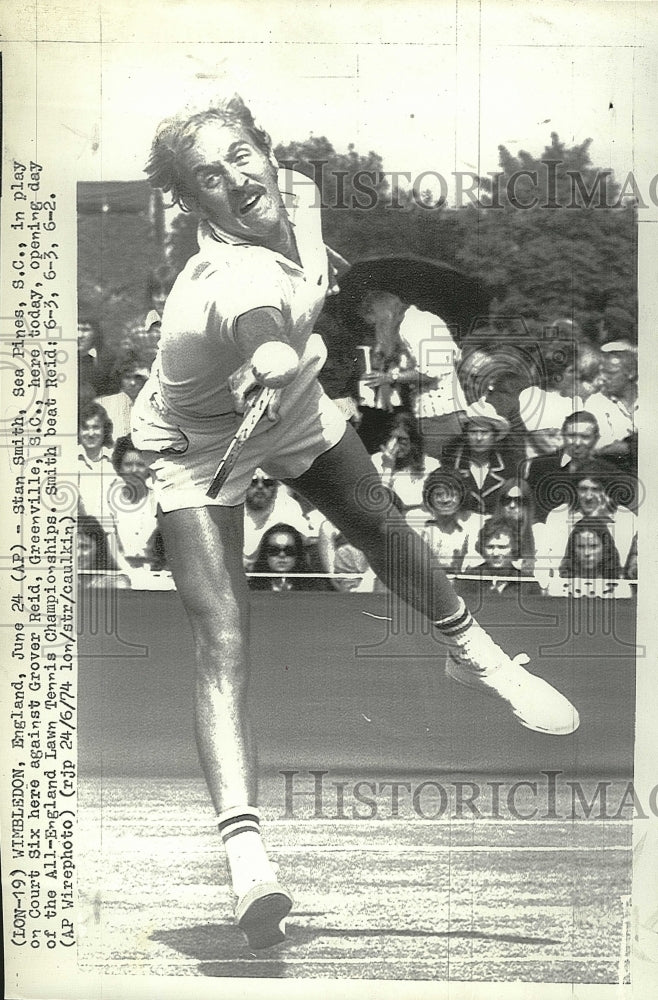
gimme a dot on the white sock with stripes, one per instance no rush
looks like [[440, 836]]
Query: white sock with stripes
[[471, 643], [248, 862], [457, 623]]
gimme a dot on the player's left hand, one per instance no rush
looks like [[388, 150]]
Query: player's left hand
[[242, 383], [244, 387], [272, 411]]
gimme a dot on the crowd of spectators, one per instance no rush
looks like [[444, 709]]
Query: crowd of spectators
[[514, 457], [119, 543]]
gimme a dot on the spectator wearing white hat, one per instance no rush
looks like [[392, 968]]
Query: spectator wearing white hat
[[477, 456]]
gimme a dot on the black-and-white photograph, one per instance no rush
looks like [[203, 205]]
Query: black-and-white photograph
[[346, 469]]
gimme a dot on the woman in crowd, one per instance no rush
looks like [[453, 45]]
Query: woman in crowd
[[282, 554], [498, 546], [450, 531], [97, 567], [591, 552], [515, 506], [133, 509], [402, 462], [479, 458], [95, 471]]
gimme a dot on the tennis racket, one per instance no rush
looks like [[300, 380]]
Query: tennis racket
[[257, 408]]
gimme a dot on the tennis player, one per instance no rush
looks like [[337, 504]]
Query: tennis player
[[240, 316]]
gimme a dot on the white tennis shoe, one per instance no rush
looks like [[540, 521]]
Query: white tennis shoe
[[533, 701]]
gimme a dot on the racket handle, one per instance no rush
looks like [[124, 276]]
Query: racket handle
[[257, 408]]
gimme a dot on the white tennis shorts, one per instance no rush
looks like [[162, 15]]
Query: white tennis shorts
[[183, 454]]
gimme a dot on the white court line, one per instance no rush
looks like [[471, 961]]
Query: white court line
[[451, 848], [451, 822]]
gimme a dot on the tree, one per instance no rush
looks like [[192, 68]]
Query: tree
[[555, 237]]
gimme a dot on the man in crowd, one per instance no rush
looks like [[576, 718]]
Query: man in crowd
[[268, 503], [552, 477]]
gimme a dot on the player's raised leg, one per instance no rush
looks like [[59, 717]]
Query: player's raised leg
[[345, 486], [204, 549]]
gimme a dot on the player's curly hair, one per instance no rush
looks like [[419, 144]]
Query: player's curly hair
[[166, 166]]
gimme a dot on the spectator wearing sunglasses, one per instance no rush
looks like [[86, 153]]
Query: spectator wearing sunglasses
[[281, 553], [515, 507], [268, 503]]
